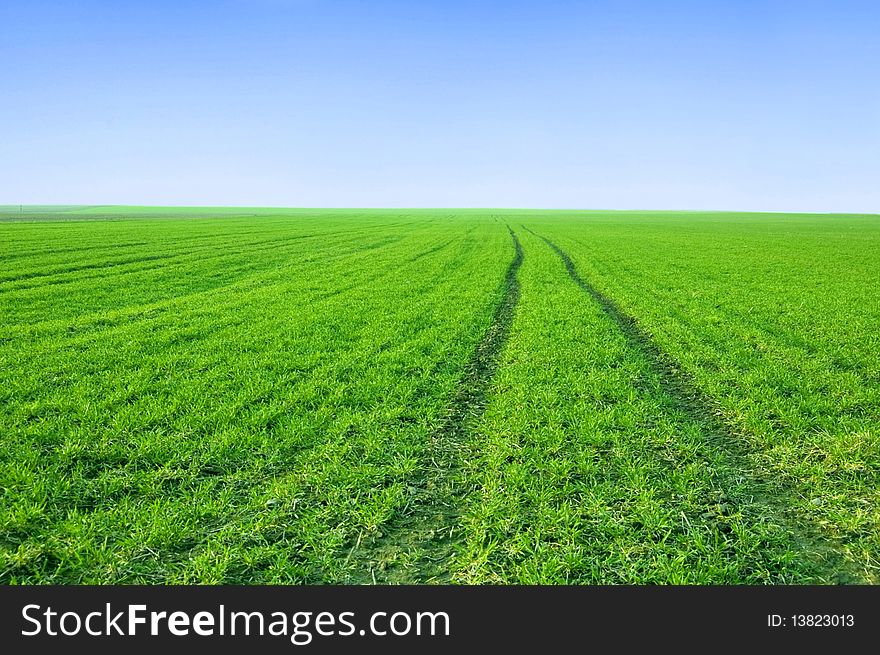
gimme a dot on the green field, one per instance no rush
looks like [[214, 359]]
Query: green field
[[307, 396]]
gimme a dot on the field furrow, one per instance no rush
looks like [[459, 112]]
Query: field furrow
[[418, 544]]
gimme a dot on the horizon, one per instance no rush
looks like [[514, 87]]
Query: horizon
[[333, 103], [70, 207]]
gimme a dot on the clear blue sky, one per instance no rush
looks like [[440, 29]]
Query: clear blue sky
[[690, 105]]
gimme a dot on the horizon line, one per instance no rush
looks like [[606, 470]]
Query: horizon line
[[79, 206]]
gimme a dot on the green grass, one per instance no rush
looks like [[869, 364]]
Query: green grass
[[237, 413], [777, 320], [237, 395]]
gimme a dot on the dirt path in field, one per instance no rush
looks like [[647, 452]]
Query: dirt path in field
[[416, 546], [678, 385]]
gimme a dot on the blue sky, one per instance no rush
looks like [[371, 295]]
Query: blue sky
[[669, 105]]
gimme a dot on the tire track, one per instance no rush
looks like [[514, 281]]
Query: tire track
[[419, 542], [686, 397]]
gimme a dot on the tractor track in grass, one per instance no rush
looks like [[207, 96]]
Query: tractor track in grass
[[417, 544], [686, 397]]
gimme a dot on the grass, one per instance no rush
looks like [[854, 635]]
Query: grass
[[239, 413], [295, 396], [774, 319]]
